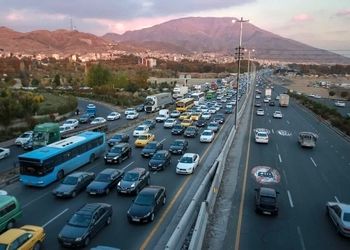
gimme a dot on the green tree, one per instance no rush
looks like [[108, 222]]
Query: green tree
[[98, 76], [57, 80], [9, 108], [35, 82]]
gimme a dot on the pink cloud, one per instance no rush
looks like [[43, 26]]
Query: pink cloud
[[302, 18], [343, 13]]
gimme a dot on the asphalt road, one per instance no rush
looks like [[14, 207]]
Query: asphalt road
[[308, 179]]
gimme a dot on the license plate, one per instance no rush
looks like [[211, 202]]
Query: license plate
[[266, 212], [109, 160], [137, 220], [67, 243], [123, 191], [92, 192], [58, 194]]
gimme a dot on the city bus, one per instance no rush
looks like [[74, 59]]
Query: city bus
[[184, 104], [45, 165], [198, 97]]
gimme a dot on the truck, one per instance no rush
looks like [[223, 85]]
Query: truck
[[91, 110], [284, 100], [268, 93], [180, 91], [156, 102]]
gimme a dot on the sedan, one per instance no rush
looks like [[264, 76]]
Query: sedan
[[26, 237], [71, 122], [187, 163], [215, 126], [147, 204], [207, 136], [4, 152], [206, 115], [212, 110], [262, 135], [175, 114], [133, 181], [186, 122], [160, 160], [220, 118], [118, 138], [105, 181], [73, 184], [140, 130], [177, 130], [113, 116], [150, 123], [340, 216], [201, 123], [277, 114], [98, 120], [169, 123], [132, 115], [260, 112], [85, 118], [151, 148], [118, 153], [179, 146], [191, 131], [143, 140]]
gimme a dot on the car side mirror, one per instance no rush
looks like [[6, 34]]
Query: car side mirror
[[277, 192]]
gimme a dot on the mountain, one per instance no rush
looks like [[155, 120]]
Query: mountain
[[211, 34]]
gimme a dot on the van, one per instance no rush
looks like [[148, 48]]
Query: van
[[163, 115], [10, 211]]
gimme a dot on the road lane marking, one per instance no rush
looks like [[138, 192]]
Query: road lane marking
[[128, 165], [277, 147], [301, 238], [54, 218], [269, 120], [279, 157], [36, 199], [272, 131], [285, 176], [335, 197], [313, 162], [290, 199], [288, 122], [163, 140]]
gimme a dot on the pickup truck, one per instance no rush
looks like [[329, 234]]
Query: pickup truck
[[307, 139]]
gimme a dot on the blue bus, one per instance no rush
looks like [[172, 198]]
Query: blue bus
[[45, 165]]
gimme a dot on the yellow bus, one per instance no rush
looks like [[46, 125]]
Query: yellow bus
[[184, 104]]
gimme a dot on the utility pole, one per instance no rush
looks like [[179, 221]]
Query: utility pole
[[239, 55]]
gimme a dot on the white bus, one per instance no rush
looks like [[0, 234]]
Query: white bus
[[198, 97]]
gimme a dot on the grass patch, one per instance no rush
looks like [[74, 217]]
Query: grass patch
[[57, 104]]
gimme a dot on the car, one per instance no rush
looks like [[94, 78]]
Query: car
[[187, 163], [260, 112], [201, 123], [262, 135], [98, 120], [84, 224], [307, 139], [160, 160], [277, 114], [113, 116], [140, 108], [23, 138], [118, 138], [220, 118], [195, 116], [132, 115], [212, 110], [207, 115], [224, 100], [73, 184], [71, 122], [191, 131], [4, 152], [141, 130], [257, 97], [340, 104], [143, 140], [266, 201], [118, 153], [85, 118], [151, 148], [26, 146], [339, 213], [175, 114], [133, 181], [277, 98], [271, 103], [178, 129], [184, 115], [64, 129], [129, 110], [26, 237], [257, 104], [169, 123], [179, 146], [215, 126], [186, 122], [147, 203], [105, 181], [266, 100], [150, 123], [207, 136], [228, 110]]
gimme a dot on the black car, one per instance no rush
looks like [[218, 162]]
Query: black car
[[133, 181], [118, 153], [271, 103], [150, 149], [147, 204], [105, 181], [85, 224], [150, 123], [140, 108], [266, 201], [118, 138], [178, 146], [160, 160], [85, 118], [177, 129], [191, 131], [73, 184], [201, 123], [220, 118]]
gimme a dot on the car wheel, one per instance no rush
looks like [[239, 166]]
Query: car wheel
[[6, 155], [107, 191], [74, 194], [109, 220], [92, 158], [10, 224], [152, 217], [60, 175], [37, 246], [87, 241]]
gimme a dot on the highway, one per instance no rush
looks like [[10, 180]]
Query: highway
[[308, 179]]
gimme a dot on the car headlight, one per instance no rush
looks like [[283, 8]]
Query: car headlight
[[118, 184], [148, 214], [160, 164], [132, 185], [116, 158], [105, 157], [78, 239]]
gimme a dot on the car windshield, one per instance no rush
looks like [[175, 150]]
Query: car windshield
[[159, 156], [262, 134], [170, 120], [207, 133], [116, 150], [191, 129], [25, 135], [140, 128], [131, 177], [70, 180], [143, 137], [80, 220], [117, 137], [178, 143], [85, 116], [144, 200], [103, 178], [3, 246], [267, 199], [151, 146], [346, 217], [177, 127], [186, 159]]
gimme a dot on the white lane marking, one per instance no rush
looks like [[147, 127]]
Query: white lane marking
[[290, 199], [269, 120], [163, 140], [285, 176], [279, 157], [277, 147], [128, 165], [272, 131], [38, 198], [301, 238], [335, 197], [313, 162], [54, 218], [288, 122]]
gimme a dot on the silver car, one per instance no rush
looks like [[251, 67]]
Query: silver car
[[340, 216]]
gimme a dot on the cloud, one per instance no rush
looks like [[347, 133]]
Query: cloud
[[302, 18], [342, 13]]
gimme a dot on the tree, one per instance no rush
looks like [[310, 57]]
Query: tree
[[57, 80], [98, 76], [344, 94], [331, 93], [35, 82]]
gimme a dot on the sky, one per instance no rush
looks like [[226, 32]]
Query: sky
[[320, 23]]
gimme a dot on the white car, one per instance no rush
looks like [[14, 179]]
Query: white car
[[141, 130], [212, 110], [65, 128], [71, 123], [98, 120], [132, 115], [169, 123], [207, 136], [257, 97], [266, 100], [339, 104], [175, 114], [129, 110], [187, 163], [4, 152], [262, 135], [24, 138], [260, 112], [113, 116], [277, 114], [206, 115]]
